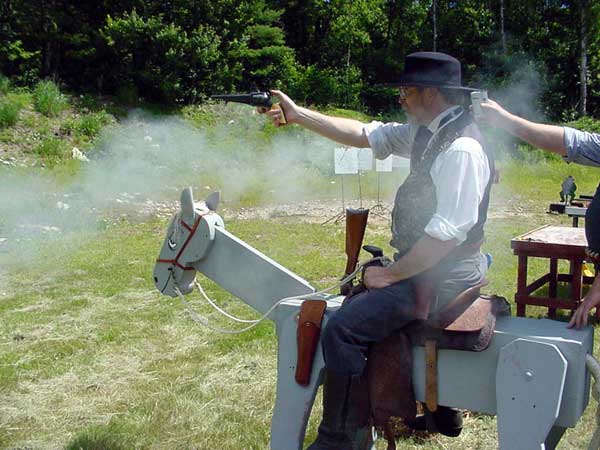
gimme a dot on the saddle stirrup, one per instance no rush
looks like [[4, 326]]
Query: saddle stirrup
[[431, 375]]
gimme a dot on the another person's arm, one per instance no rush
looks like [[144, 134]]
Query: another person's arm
[[591, 300], [547, 137], [345, 131]]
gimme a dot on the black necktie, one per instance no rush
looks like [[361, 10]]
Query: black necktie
[[419, 145]]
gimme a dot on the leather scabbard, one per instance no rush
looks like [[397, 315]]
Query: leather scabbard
[[309, 331]]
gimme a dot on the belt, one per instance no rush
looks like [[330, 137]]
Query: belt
[[464, 250]]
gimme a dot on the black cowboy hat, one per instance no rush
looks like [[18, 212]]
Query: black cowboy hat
[[431, 69]]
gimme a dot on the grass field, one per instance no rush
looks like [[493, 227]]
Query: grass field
[[92, 357]]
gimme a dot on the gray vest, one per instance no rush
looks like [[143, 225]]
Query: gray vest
[[416, 202]]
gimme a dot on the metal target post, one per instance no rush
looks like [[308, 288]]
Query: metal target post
[[345, 163], [381, 165], [365, 163]]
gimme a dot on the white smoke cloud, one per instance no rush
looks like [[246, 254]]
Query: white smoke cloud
[[146, 159]]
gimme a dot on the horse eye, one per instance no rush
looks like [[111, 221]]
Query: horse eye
[[172, 245]]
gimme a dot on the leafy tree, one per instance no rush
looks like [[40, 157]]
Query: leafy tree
[[464, 29], [263, 53], [332, 51], [350, 37], [162, 60]]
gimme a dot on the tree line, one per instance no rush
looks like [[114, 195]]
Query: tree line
[[337, 52]]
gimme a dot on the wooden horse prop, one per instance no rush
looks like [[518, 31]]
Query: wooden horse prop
[[533, 375]]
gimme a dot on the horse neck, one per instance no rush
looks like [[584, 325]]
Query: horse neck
[[248, 274]]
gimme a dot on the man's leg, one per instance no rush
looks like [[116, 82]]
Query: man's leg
[[345, 423], [367, 318], [454, 277]]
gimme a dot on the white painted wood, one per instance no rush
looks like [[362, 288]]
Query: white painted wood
[[467, 379], [248, 274], [576, 211], [529, 386], [479, 382]]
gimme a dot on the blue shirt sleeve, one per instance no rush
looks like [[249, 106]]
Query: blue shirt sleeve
[[582, 147]]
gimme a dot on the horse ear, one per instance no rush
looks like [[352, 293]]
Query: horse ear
[[187, 204], [212, 201]]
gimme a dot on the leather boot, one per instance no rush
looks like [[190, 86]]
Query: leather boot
[[345, 414], [445, 420], [359, 422], [363, 438]]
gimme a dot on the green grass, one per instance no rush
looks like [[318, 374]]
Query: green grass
[[110, 437], [92, 357], [85, 127], [51, 149], [43, 124]]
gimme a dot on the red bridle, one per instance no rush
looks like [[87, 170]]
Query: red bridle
[[192, 230]]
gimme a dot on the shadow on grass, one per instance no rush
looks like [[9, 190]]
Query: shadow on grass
[[110, 437]]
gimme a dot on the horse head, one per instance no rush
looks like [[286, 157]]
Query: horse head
[[189, 238]]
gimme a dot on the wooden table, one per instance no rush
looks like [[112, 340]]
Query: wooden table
[[553, 243]]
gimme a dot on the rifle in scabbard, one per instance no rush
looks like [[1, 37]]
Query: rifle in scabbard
[[356, 223]]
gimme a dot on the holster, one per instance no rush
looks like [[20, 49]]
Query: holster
[[308, 333]]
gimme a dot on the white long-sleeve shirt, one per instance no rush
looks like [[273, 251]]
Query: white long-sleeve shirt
[[460, 174]]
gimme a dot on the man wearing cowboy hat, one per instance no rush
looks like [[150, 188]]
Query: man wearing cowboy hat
[[437, 227]]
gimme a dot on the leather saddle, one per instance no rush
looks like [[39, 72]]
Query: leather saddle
[[465, 323]]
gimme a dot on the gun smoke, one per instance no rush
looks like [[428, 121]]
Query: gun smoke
[[139, 167]]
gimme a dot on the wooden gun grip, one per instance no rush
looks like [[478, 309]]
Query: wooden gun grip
[[277, 107]]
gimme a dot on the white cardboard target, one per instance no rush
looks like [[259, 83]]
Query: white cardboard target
[[346, 160]]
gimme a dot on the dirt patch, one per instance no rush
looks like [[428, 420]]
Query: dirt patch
[[330, 211], [314, 211]]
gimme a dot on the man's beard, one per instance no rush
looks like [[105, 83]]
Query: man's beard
[[411, 119]]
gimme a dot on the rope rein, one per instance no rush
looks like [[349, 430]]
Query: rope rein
[[201, 320]]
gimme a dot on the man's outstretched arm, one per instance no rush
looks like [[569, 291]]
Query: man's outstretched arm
[[547, 137], [345, 131]]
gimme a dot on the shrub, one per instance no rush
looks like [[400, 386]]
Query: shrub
[[9, 112], [586, 123], [51, 149], [48, 100], [4, 84], [90, 124], [315, 85], [127, 94], [89, 102]]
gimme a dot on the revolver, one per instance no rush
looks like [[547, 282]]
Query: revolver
[[258, 99]]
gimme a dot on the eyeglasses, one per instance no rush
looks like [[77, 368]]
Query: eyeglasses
[[405, 91]]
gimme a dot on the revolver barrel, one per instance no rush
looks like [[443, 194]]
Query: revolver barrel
[[253, 98]]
